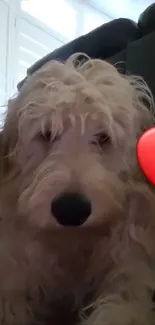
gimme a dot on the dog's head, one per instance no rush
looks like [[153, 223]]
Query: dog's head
[[69, 143], [68, 168]]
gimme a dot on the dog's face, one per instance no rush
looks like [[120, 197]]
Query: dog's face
[[77, 168], [75, 144]]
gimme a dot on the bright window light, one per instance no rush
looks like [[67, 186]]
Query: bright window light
[[57, 14], [92, 19]]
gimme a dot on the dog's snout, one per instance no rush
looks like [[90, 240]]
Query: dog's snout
[[71, 209]]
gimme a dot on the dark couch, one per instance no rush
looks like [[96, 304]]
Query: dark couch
[[121, 41]]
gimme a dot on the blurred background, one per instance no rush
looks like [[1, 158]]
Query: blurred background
[[29, 29]]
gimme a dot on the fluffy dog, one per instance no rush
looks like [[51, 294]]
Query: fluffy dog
[[77, 216]]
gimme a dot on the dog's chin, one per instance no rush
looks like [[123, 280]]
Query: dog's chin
[[80, 261], [72, 261], [74, 250], [78, 255]]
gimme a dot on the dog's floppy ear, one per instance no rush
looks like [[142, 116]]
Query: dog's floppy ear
[[2, 156], [141, 217]]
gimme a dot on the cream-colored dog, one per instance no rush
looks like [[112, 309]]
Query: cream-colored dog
[[77, 216]]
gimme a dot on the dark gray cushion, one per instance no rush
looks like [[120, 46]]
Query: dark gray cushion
[[103, 42], [146, 20], [140, 59]]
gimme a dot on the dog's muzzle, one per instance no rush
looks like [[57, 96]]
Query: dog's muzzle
[[71, 209]]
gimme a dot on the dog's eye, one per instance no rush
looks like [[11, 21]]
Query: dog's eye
[[101, 139], [45, 136]]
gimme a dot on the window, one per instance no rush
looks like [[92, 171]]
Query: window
[[33, 43], [92, 19], [59, 15], [30, 29], [3, 52], [48, 24]]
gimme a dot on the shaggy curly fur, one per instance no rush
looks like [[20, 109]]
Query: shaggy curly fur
[[75, 129]]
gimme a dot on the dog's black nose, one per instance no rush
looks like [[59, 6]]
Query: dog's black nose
[[71, 209]]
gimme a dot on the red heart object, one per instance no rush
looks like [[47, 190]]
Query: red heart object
[[145, 151]]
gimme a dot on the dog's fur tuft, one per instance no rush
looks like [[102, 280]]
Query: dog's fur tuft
[[74, 128]]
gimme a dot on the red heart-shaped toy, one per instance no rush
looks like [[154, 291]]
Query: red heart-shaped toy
[[146, 154]]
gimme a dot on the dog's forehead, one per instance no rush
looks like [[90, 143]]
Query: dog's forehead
[[59, 97], [58, 88], [57, 92], [83, 99], [80, 104]]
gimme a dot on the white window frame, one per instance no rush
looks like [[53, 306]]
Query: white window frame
[[15, 14]]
